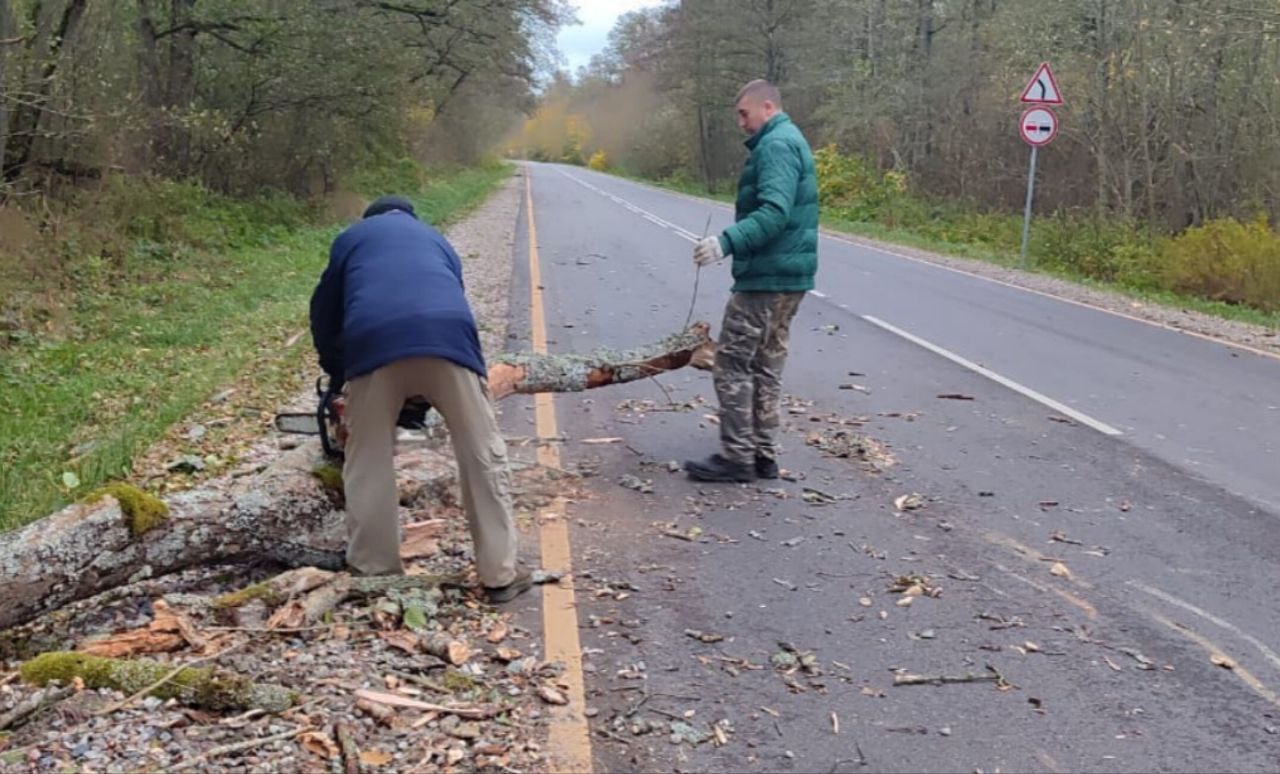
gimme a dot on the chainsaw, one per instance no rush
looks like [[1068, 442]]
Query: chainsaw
[[329, 419]]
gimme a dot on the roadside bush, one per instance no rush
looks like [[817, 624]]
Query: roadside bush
[[850, 189], [1110, 251], [598, 161], [1226, 260]]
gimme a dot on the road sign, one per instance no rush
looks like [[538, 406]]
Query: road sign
[[1038, 126], [1042, 88]]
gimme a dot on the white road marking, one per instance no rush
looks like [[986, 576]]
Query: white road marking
[[818, 293], [649, 216], [1022, 389], [1267, 653]]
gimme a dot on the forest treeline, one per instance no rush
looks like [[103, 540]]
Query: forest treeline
[[1170, 127], [242, 95]]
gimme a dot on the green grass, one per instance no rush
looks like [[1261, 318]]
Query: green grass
[[995, 255], [158, 340]]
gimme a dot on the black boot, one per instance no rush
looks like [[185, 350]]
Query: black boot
[[766, 467], [717, 468]]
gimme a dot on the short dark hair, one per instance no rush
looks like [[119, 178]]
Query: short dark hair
[[762, 90], [384, 204]]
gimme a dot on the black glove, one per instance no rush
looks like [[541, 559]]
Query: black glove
[[413, 415]]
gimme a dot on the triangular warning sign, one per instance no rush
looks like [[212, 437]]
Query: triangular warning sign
[[1042, 89]]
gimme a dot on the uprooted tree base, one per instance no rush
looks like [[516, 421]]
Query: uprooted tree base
[[284, 514]]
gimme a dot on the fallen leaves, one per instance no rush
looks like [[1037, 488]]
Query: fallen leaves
[[375, 757], [497, 634], [846, 444], [635, 483], [1224, 661], [319, 743], [552, 695], [701, 636], [909, 502], [1060, 570], [910, 586]]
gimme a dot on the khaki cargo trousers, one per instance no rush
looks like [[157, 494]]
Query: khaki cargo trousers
[[462, 398]]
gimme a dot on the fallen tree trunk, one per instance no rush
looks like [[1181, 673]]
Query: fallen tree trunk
[[287, 513], [529, 373]]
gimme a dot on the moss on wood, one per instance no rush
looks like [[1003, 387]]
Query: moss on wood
[[197, 686], [142, 512], [330, 477]]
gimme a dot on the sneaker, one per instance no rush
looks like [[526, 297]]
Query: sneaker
[[717, 468], [522, 583], [766, 467]]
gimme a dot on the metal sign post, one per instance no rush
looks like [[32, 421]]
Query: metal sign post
[[1038, 126], [1026, 214]]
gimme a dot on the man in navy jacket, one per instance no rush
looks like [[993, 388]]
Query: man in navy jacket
[[390, 318]]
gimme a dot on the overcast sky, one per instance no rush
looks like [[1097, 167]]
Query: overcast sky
[[579, 42]]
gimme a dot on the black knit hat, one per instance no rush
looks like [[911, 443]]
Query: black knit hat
[[385, 204]]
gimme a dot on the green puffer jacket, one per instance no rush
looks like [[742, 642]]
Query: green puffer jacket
[[774, 240]]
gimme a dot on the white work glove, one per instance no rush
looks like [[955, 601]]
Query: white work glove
[[707, 250]]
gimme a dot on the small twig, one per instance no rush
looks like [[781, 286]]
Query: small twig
[[350, 750], [263, 630], [670, 400], [226, 749], [697, 276], [636, 707], [236, 721], [991, 676], [418, 680], [606, 733], [666, 714]]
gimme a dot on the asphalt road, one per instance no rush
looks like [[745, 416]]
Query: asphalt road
[[1098, 521]]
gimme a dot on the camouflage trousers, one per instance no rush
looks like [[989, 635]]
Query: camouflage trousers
[[748, 373]]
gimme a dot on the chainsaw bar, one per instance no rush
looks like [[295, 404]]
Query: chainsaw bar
[[298, 424]]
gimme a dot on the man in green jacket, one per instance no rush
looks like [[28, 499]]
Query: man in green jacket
[[774, 244]]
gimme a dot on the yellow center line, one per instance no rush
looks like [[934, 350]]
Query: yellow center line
[[568, 739], [1216, 652]]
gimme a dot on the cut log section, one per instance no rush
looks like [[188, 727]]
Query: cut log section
[[288, 513]]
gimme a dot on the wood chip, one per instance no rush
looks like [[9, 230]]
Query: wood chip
[[498, 633], [552, 696], [459, 653]]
